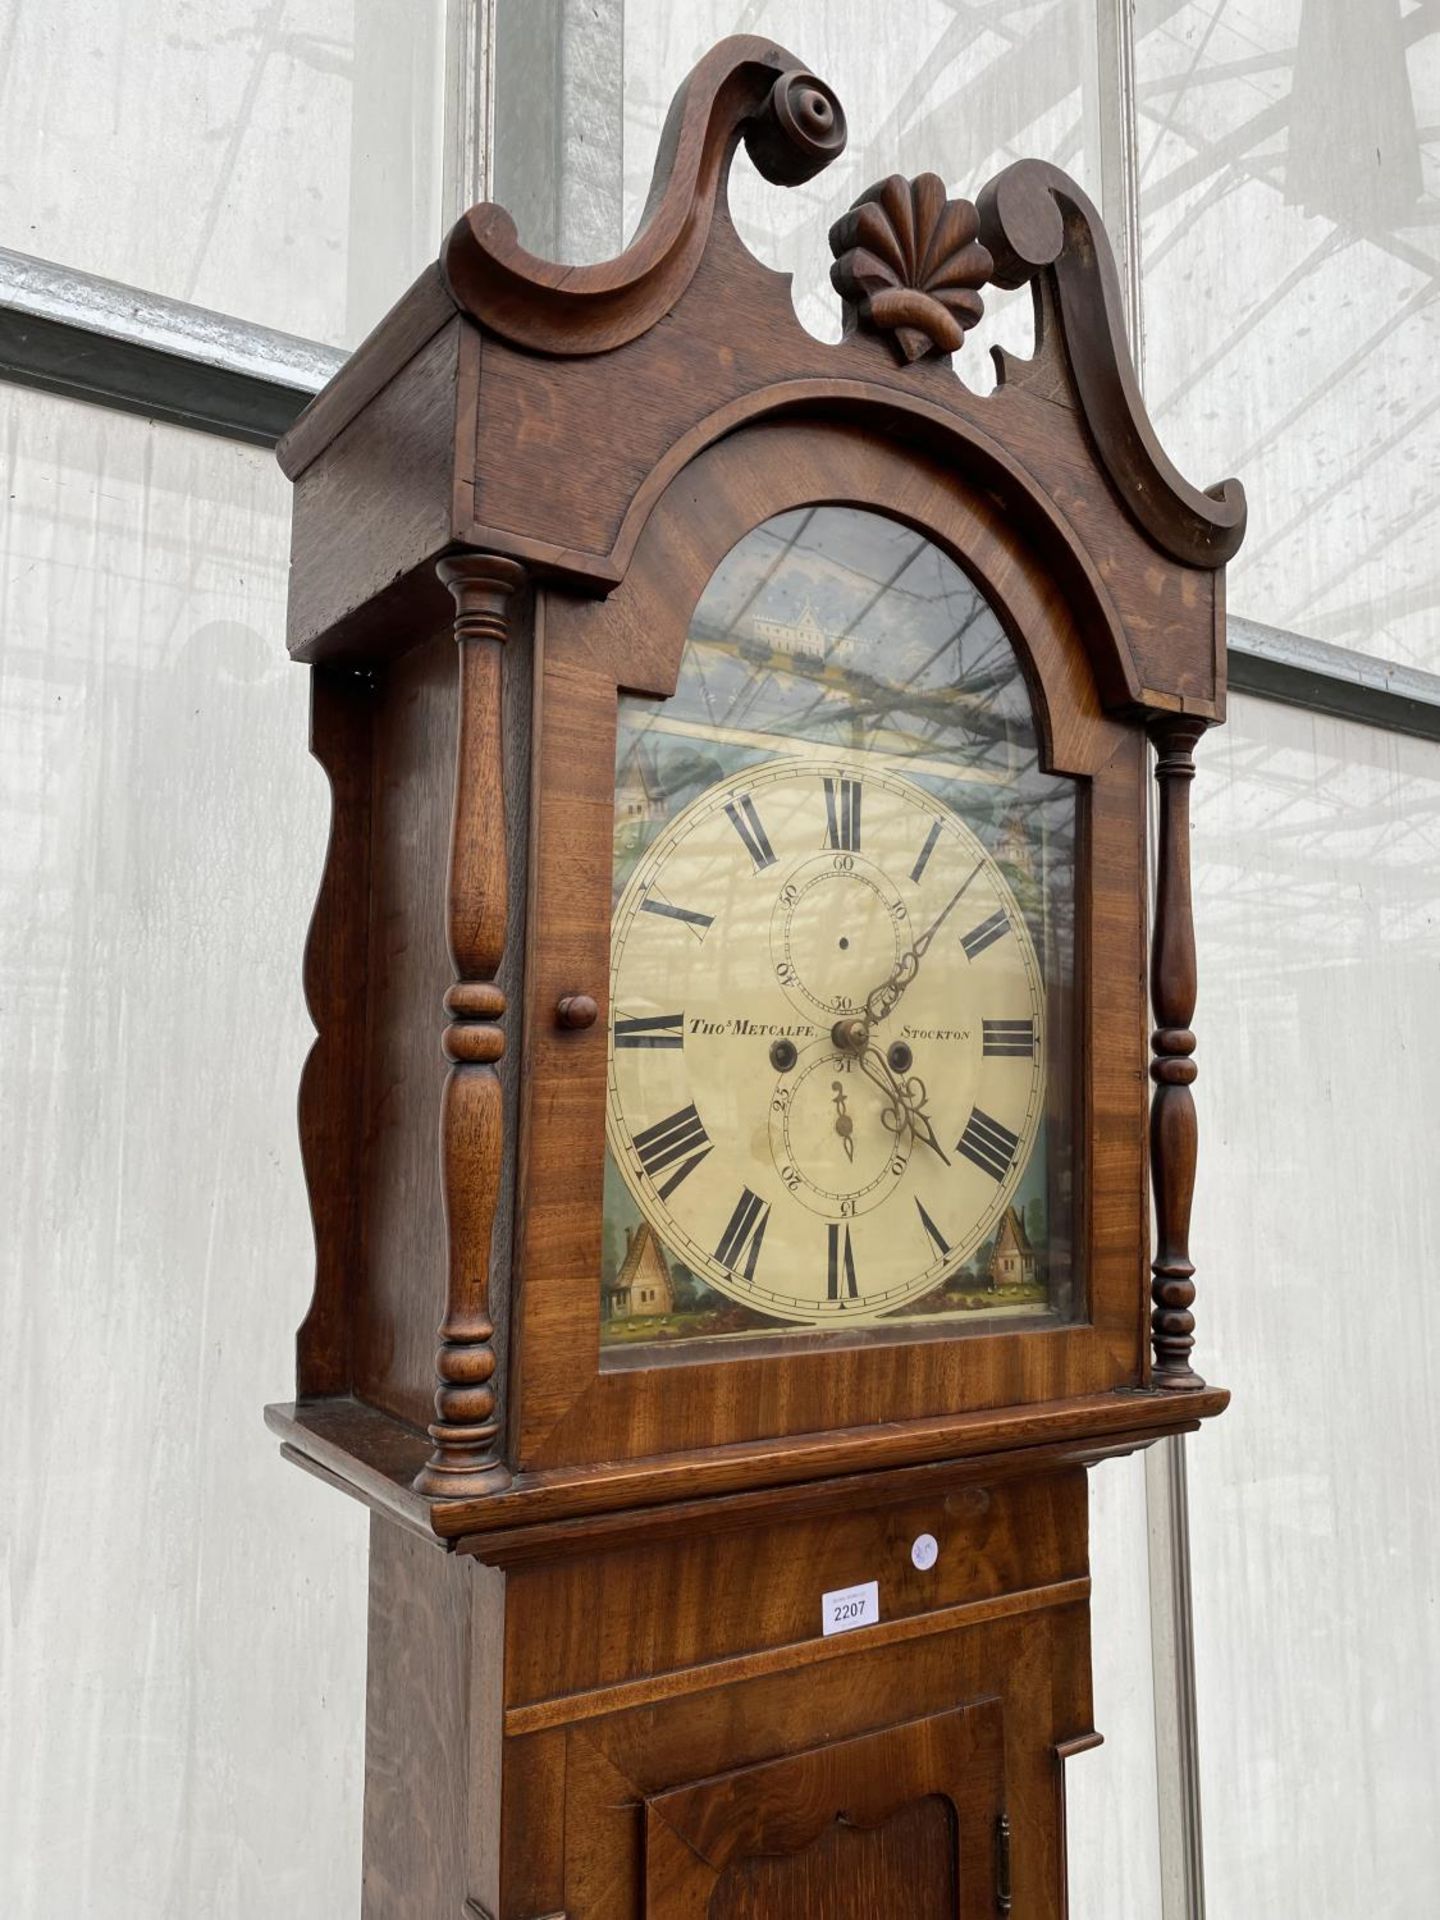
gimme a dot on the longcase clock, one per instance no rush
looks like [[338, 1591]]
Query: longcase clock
[[730, 1130]]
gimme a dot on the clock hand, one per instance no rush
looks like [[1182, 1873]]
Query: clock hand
[[882, 1002], [920, 1126], [844, 1125], [944, 914], [903, 1111]]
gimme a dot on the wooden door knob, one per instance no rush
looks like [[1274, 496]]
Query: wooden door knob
[[576, 1010]]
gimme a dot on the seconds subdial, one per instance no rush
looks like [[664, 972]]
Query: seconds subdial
[[839, 925], [828, 1138]]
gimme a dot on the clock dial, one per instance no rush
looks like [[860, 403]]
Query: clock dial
[[827, 1043]]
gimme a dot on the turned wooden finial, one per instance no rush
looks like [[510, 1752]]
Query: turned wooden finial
[[1174, 1131], [466, 1429]]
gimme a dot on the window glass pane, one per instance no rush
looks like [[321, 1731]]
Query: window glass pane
[[1290, 181], [958, 91], [161, 836], [1112, 1794], [842, 965], [278, 162], [1317, 1233]]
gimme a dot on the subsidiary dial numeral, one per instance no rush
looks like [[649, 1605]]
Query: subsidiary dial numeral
[[986, 934], [988, 1144], [741, 814], [1009, 1039], [742, 1237], [651, 1030], [840, 1269], [842, 815], [679, 1137]]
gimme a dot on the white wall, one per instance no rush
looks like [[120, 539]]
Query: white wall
[[280, 160], [1289, 175], [1316, 1499], [182, 1629]]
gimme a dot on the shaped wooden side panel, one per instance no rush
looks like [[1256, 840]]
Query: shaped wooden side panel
[[331, 1131], [1034, 219]]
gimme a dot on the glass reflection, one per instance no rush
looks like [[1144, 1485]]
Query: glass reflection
[[836, 653]]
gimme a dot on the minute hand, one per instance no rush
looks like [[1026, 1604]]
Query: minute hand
[[944, 914], [883, 1000]]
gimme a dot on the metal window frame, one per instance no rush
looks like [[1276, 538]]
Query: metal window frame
[[91, 339], [73, 333], [1276, 665]]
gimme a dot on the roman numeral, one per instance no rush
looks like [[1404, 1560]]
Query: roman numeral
[[681, 1136], [926, 851], [988, 1144], [741, 1239], [842, 815], [841, 1265], [741, 814], [986, 934], [653, 1030], [1010, 1039], [937, 1239], [699, 923]]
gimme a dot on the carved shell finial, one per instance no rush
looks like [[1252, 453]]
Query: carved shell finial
[[908, 263]]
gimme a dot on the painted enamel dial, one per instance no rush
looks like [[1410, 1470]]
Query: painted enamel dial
[[826, 1066]]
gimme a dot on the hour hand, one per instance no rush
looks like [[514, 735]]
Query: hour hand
[[844, 1125], [920, 1126], [904, 1110]]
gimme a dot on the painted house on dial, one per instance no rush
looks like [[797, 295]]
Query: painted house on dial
[[1012, 1261], [643, 1285]]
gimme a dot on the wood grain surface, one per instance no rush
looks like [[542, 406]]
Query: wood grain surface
[[898, 1822], [1174, 1131], [510, 1758], [568, 1404], [466, 1460]]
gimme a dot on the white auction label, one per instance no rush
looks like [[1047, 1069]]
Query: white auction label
[[850, 1607], [924, 1552]]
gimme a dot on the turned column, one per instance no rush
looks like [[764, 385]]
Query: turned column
[[1173, 1128], [466, 1430]]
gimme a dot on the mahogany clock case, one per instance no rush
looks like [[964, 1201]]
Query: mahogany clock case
[[603, 1677], [581, 1409], [599, 439], [658, 1726]]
